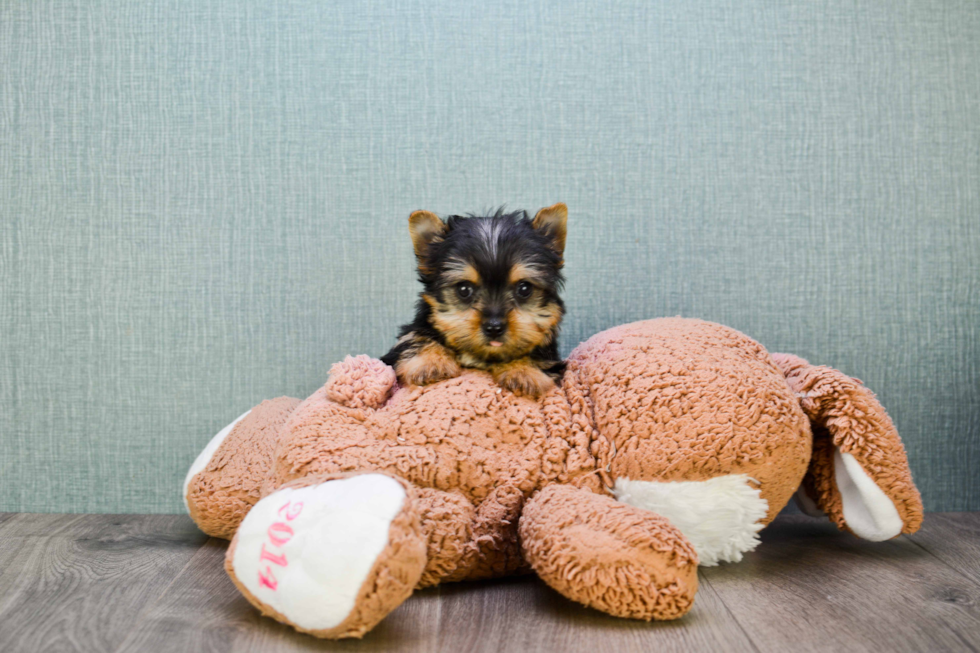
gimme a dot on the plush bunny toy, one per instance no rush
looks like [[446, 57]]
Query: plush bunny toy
[[669, 443]]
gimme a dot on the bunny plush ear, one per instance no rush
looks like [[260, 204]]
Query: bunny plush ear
[[859, 475]]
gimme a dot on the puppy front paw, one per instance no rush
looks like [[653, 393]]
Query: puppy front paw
[[433, 363], [523, 379]]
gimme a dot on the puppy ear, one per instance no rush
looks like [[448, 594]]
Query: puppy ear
[[424, 227], [552, 221]]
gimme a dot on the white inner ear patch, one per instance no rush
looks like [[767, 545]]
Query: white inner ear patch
[[306, 552], [205, 456], [719, 517], [868, 511]]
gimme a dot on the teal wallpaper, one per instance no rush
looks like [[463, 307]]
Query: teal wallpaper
[[203, 204]]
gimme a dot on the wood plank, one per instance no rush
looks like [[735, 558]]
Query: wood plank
[[137, 583], [15, 553], [203, 611], [524, 614], [414, 627], [954, 538], [809, 587], [5, 517], [80, 582]]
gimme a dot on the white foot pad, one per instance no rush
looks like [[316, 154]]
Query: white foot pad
[[306, 552]]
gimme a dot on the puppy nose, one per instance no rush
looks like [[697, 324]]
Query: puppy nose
[[493, 327]]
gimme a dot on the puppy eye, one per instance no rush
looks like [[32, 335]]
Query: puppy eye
[[464, 290], [524, 289]]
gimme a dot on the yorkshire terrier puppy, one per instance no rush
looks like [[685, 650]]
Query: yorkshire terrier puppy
[[490, 299]]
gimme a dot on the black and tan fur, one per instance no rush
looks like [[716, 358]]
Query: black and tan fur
[[486, 279]]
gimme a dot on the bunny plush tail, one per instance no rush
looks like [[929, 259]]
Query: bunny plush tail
[[858, 475]]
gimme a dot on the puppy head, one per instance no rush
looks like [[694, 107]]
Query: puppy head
[[492, 282]]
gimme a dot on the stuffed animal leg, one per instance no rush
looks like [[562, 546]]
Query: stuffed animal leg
[[234, 470], [608, 555], [467, 542], [858, 475], [227, 478], [330, 556]]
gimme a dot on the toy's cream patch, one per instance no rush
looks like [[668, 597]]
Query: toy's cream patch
[[203, 458], [721, 517], [306, 552], [868, 511]]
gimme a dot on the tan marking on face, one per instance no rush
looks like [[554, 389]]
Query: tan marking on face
[[431, 364], [547, 317], [528, 327], [525, 331], [457, 273], [533, 326], [521, 272], [459, 326]]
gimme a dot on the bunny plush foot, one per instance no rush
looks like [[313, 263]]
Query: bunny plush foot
[[608, 555], [330, 558]]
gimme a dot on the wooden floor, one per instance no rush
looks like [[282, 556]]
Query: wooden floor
[[155, 583]]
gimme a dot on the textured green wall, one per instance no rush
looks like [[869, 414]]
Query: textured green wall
[[204, 204]]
